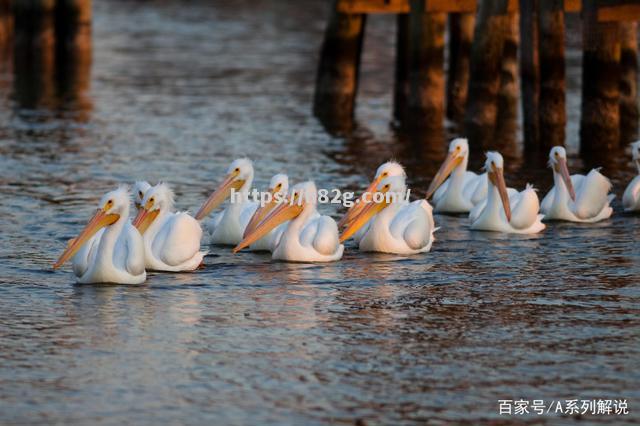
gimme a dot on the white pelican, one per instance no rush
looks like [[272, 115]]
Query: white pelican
[[171, 240], [395, 226], [228, 226], [493, 217], [308, 237], [576, 198], [139, 189], [278, 190], [390, 168], [115, 257], [631, 197], [463, 190]]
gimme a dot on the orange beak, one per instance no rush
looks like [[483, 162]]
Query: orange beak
[[260, 214], [366, 213], [359, 204], [496, 176], [450, 163], [220, 194], [562, 168], [145, 218], [285, 211], [97, 222]]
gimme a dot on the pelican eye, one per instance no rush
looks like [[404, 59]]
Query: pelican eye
[[152, 199], [237, 170], [278, 186], [385, 174], [457, 148], [140, 194]]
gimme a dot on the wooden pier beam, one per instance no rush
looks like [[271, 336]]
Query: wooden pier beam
[[338, 69], [530, 73], [600, 118], [401, 82], [73, 24], [629, 82], [426, 67], [484, 82], [461, 27], [552, 108]]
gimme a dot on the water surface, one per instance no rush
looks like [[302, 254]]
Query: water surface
[[176, 93]]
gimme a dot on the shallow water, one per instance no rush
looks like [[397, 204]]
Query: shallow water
[[176, 93]]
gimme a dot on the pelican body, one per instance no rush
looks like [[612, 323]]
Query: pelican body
[[385, 170], [454, 188], [228, 226], [631, 196], [576, 198], [278, 189], [116, 254], [308, 237], [171, 240], [395, 226], [516, 214]]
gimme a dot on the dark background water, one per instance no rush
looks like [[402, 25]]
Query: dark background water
[[175, 93]]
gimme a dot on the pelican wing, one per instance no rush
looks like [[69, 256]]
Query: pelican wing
[[178, 240], [86, 256], [129, 252], [414, 224], [591, 195], [321, 233], [631, 197], [526, 207]]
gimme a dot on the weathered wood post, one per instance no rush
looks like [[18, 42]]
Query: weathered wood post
[[600, 118], [74, 52], [506, 122], [460, 39], [552, 110], [628, 82], [426, 73], [33, 52], [73, 24], [6, 23], [337, 78], [484, 82], [529, 73], [401, 82]]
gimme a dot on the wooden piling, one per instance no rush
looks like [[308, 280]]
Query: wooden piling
[[506, 123], [552, 115], [33, 52], [600, 118], [529, 72], [337, 78], [401, 82], [628, 82], [484, 82], [6, 23], [461, 27], [426, 67], [73, 24]]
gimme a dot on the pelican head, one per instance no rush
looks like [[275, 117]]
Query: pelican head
[[390, 189], [158, 198], [635, 153], [112, 207], [139, 189], [388, 169], [558, 162], [458, 151], [303, 198], [278, 189], [239, 174], [494, 165]]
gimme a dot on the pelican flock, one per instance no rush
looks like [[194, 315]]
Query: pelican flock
[[112, 248]]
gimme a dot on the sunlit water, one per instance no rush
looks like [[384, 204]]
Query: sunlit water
[[176, 93]]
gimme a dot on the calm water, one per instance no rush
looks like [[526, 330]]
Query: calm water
[[176, 94]]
